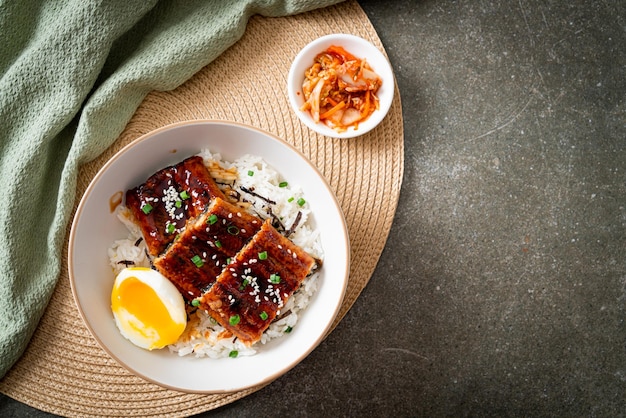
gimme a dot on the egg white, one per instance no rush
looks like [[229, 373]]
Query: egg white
[[171, 298]]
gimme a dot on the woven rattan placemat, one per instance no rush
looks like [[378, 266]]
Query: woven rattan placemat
[[63, 370]]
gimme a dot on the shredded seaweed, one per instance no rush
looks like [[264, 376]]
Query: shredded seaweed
[[282, 315], [251, 192], [294, 225], [276, 222]]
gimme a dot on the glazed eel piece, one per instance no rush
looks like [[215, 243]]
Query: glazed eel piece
[[162, 205], [200, 253], [250, 292]]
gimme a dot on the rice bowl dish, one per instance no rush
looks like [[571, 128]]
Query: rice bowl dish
[[204, 336], [96, 228]]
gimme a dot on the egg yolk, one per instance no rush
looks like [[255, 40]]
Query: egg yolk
[[150, 317]]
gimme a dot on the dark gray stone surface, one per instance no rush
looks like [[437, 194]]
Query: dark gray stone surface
[[502, 288]]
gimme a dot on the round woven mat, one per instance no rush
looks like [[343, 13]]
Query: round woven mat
[[63, 370]]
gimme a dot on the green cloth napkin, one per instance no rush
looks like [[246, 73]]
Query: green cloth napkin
[[72, 73]]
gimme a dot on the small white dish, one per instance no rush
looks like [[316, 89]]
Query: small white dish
[[360, 48], [95, 227]]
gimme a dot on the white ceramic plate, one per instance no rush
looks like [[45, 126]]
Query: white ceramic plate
[[95, 227], [358, 47]]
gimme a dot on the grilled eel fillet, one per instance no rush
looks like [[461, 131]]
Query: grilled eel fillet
[[162, 205], [200, 253], [251, 290]]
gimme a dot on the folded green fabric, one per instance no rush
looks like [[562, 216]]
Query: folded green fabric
[[72, 73]]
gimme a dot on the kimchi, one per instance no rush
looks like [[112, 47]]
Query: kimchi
[[340, 89]]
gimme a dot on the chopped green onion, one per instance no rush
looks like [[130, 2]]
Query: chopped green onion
[[178, 203], [197, 261], [147, 208], [274, 278], [263, 255], [233, 230], [170, 228], [283, 184], [301, 202], [195, 302], [263, 315], [212, 219], [288, 330], [244, 284], [234, 320], [291, 199], [228, 260], [184, 195], [233, 354], [218, 244], [250, 173]]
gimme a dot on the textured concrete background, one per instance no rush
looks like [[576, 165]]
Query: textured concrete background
[[502, 288]]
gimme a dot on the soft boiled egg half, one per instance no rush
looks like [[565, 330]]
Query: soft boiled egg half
[[148, 309]]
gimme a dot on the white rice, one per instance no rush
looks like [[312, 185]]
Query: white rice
[[203, 336]]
